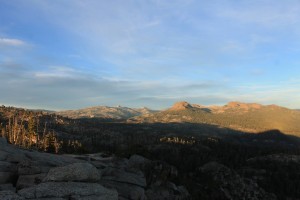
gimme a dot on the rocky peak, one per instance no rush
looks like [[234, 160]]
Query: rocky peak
[[182, 105]]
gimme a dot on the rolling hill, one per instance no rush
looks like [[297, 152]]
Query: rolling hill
[[106, 112], [249, 117]]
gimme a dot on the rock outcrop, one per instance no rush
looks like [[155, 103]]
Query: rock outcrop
[[27, 174], [73, 190], [83, 172], [139, 178]]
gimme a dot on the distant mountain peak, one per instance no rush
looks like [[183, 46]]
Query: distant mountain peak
[[182, 105], [105, 112], [236, 104]]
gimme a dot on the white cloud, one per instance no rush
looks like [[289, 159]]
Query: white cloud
[[58, 72], [267, 13], [134, 49], [11, 42]]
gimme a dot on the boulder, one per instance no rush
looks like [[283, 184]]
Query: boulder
[[167, 191], [118, 175], [120, 163], [101, 165], [93, 197], [83, 172], [51, 160], [138, 162], [129, 184], [27, 193], [32, 167], [25, 181], [28, 168], [16, 157], [6, 177], [51, 199], [3, 155], [7, 186], [9, 195], [7, 167], [64, 189], [126, 190]]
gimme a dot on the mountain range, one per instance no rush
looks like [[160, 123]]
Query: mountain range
[[188, 151], [248, 117], [106, 112]]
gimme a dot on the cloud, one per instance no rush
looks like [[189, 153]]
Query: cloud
[[65, 87], [148, 53], [201, 99], [12, 49], [11, 42], [266, 13], [130, 36], [57, 71], [284, 93]]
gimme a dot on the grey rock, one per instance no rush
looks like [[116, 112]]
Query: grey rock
[[119, 175], [25, 181], [138, 162], [7, 186], [3, 141], [63, 189], [9, 195], [83, 172], [167, 191], [27, 193], [3, 155], [120, 163], [93, 197], [100, 164], [28, 168], [51, 160], [6, 177], [50, 199], [16, 157], [7, 167], [125, 190]]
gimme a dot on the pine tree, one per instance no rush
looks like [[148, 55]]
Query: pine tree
[[31, 130]]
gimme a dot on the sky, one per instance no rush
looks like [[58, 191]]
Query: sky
[[70, 54]]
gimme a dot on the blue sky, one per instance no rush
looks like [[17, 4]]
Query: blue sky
[[68, 54]]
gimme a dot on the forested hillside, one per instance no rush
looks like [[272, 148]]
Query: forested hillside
[[38, 130]]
